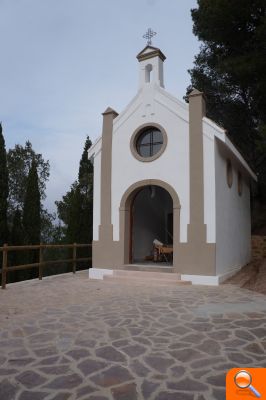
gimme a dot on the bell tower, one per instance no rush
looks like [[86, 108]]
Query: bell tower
[[151, 61]]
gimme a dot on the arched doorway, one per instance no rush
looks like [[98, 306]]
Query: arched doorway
[[126, 216], [151, 219]]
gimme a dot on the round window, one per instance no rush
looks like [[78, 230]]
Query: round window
[[148, 142]]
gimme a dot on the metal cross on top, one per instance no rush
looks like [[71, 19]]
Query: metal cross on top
[[149, 35]]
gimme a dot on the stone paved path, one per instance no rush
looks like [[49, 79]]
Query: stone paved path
[[69, 338]]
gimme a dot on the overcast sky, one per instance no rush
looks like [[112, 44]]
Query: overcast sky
[[62, 62]]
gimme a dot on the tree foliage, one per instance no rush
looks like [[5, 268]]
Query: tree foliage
[[3, 190], [19, 163], [231, 70], [76, 207], [32, 207]]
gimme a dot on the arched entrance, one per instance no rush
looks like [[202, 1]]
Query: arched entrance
[[151, 219], [148, 195]]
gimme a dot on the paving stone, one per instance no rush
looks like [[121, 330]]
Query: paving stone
[[174, 396], [210, 347], [178, 371], [41, 338], [121, 343], [194, 338], [240, 358], [148, 388], [220, 335], [254, 348], [201, 327], [30, 395], [186, 355], [188, 385], [217, 380], [125, 392], [109, 353], [30, 379], [134, 350], [207, 361], [218, 394], [78, 354], [8, 391], [259, 332], [62, 396], [56, 370], [244, 334], [86, 390], [139, 368], [112, 376], [65, 382], [46, 352], [20, 362], [199, 373], [8, 371], [159, 363], [2, 360], [89, 366], [179, 330], [49, 361], [251, 323]]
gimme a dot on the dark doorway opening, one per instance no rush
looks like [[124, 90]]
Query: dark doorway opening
[[151, 218]]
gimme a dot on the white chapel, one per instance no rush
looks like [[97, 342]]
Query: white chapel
[[170, 189]]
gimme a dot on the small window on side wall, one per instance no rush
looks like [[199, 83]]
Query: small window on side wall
[[239, 183], [229, 173]]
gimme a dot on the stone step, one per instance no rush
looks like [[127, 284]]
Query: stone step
[[149, 268], [146, 274], [145, 280], [159, 278]]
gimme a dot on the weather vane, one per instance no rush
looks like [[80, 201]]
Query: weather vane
[[149, 35]]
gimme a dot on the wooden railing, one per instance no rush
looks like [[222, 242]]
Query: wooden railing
[[41, 264]]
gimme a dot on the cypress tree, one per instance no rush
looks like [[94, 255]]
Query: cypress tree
[[17, 239], [32, 207], [32, 218], [3, 190], [17, 232]]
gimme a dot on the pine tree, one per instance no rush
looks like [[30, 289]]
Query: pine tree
[[231, 70], [32, 208], [3, 190]]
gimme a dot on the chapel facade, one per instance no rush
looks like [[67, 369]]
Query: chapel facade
[[165, 173]]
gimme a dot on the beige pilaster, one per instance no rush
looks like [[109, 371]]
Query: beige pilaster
[[103, 248], [197, 256]]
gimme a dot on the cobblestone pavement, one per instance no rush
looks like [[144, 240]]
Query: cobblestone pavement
[[69, 338]]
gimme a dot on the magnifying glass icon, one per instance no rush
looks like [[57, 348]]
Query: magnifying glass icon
[[243, 380]]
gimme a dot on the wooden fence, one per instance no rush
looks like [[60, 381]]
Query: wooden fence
[[41, 264]]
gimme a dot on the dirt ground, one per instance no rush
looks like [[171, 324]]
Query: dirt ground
[[252, 277]]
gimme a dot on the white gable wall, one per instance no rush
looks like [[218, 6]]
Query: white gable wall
[[233, 228], [152, 106]]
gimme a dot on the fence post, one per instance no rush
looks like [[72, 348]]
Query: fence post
[[74, 257], [4, 266], [40, 261]]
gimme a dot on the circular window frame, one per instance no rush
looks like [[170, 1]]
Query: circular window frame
[[138, 132], [229, 173]]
